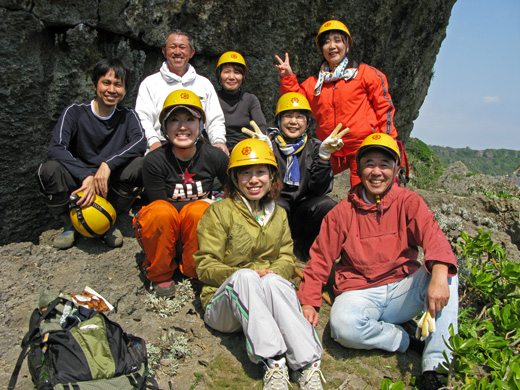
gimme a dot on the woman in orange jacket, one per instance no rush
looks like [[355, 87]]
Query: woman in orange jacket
[[343, 91]]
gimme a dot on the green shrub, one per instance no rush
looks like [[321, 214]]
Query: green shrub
[[425, 166]]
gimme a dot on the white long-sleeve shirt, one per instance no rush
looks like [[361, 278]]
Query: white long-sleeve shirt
[[155, 88]]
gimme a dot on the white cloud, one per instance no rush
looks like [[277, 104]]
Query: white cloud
[[491, 99]]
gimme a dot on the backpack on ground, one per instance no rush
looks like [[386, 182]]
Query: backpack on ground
[[91, 353]]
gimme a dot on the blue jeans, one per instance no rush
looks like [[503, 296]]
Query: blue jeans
[[366, 319]]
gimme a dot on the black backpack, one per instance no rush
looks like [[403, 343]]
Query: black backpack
[[93, 354]]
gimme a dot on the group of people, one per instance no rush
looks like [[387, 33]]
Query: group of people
[[186, 142]]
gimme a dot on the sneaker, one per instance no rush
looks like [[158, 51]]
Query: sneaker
[[65, 240], [432, 380], [276, 375], [310, 377], [113, 238], [164, 289]]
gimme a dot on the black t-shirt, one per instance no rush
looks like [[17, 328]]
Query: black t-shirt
[[180, 182]]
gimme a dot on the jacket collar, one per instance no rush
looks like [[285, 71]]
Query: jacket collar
[[355, 196]]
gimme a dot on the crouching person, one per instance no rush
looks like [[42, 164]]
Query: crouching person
[[178, 177], [96, 148], [379, 283], [245, 260]]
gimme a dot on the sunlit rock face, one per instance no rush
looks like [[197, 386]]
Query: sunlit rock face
[[48, 49]]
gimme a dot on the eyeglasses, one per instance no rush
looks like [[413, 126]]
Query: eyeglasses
[[298, 117]]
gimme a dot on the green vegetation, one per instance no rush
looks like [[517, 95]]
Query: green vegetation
[[425, 166], [486, 350], [496, 162]]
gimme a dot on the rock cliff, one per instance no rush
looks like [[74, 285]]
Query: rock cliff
[[49, 47]]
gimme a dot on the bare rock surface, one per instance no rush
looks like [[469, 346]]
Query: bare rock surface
[[215, 360], [49, 48]]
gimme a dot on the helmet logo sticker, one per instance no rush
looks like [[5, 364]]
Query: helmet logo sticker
[[234, 56], [327, 24], [246, 151], [295, 101], [185, 95], [376, 136]]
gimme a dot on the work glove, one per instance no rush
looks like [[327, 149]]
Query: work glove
[[425, 325], [332, 143], [257, 134]]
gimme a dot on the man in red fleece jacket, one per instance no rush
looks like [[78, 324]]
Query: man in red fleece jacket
[[379, 283]]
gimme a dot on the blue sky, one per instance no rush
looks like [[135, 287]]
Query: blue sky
[[474, 98]]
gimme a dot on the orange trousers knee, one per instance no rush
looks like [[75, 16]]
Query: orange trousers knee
[[158, 228]]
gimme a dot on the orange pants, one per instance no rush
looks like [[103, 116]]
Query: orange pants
[[341, 163], [158, 228]]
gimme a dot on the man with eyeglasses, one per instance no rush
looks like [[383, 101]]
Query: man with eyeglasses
[[305, 169]]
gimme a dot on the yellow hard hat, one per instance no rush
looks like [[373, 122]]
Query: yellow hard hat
[[333, 25], [94, 220], [251, 151], [182, 97], [292, 101], [378, 141], [230, 57]]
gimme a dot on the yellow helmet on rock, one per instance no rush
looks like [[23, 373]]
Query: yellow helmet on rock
[[378, 141], [251, 151], [94, 220], [333, 25], [292, 101], [230, 57]]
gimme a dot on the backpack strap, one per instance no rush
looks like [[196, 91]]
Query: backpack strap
[[34, 327]]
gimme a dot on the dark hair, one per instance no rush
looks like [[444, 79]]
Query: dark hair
[[176, 31], [323, 37], [104, 65], [231, 190], [238, 67]]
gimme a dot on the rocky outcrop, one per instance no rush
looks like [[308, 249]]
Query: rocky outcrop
[[49, 47]]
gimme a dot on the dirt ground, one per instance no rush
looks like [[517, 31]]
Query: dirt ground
[[215, 360]]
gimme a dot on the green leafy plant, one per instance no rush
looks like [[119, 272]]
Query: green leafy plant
[[485, 352]]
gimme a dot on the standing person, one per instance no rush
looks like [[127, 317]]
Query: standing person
[[96, 148], [178, 178], [379, 282], [245, 260], [177, 73], [343, 91], [239, 107]]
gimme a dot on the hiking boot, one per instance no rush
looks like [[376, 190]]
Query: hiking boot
[[432, 380], [113, 237], [416, 344], [276, 376], [66, 239], [310, 377], [164, 289]]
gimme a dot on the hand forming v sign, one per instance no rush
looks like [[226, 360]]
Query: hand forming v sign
[[333, 142], [284, 67], [257, 134]]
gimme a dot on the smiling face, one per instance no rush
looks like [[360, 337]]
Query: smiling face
[[178, 53], [293, 123], [182, 128], [335, 48], [109, 90], [254, 182], [231, 78], [377, 172]]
